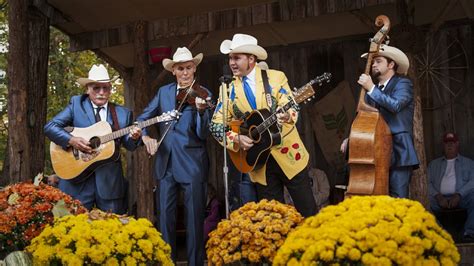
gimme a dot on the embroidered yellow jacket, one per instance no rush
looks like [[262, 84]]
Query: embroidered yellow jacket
[[291, 154]]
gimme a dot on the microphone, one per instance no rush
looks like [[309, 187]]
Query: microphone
[[227, 76]]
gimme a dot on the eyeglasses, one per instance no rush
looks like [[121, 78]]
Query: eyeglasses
[[98, 88]]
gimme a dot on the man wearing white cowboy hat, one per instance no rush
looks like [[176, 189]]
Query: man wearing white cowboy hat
[[287, 163], [182, 160], [106, 187], [392, 95]]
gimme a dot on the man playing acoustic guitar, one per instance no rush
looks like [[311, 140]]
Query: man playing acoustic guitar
[[288, 159], [106, 187]]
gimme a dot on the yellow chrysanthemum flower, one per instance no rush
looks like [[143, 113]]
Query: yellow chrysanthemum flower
[[375, 230], [100, 239], [253, 233]]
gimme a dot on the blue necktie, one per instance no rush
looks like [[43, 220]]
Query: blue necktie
[[249, 93]]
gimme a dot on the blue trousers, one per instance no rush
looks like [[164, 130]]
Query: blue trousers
[[399, 179], [241, 190], [194, 202], [89, 197]]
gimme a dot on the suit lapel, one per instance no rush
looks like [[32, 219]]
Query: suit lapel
[[170, 102], [391, 84], [87, 106]]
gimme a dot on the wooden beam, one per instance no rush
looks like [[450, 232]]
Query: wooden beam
[[441, 16], [468, 8], [365, 19], [282, 10], [124, 72], [55, 16]]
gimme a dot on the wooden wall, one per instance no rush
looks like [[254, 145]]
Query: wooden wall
[[341, 57]]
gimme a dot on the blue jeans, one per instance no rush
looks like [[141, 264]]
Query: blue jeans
[[241, 189]]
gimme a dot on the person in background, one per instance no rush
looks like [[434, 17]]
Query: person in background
[[212, 212], [451, 182], [319, 186]]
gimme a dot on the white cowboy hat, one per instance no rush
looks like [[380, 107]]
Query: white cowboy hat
[[396, 55], [97, 73], [243, 44], [181, 55]]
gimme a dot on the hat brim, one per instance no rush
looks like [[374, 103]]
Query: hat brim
[[396, 55], [85, 81], [256, 50], [168, 63]]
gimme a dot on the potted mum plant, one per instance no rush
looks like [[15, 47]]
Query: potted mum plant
[[371, 230], [253, 233], [99, 238], [26, 208]]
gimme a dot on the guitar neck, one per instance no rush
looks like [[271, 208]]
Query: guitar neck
[[273, 118], [302, 94], [124, 131]]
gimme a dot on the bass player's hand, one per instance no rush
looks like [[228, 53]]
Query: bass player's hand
[[81, 144], [343, 148], [151, 144]]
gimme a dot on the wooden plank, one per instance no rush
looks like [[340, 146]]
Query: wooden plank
[[244, 17], [283, 10], [198, 23]]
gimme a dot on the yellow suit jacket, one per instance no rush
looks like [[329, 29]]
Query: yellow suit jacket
[[291, 154]]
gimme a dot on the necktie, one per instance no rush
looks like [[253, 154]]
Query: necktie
[[381, 87], [249, 93], [97, 114]]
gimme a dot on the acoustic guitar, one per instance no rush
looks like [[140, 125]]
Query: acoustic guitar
[[260, 126], [72, 164]]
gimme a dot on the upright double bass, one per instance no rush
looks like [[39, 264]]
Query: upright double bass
[[370, 139]]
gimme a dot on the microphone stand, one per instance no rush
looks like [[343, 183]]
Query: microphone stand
[[225, 80]]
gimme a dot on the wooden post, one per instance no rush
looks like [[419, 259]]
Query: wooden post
[[19, 148], [142, 164], [419, 179], [37, 87]]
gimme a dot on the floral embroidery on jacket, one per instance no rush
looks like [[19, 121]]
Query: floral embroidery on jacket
[[294, 152]]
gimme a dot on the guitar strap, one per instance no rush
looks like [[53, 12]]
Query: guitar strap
[[115, 124], [268, 89]]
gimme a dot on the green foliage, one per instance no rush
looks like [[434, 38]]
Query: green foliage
[[63, 70]]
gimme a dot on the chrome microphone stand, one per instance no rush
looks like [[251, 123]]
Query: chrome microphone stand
[[225, 80]]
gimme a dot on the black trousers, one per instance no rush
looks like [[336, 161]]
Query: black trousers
[[299, 187]]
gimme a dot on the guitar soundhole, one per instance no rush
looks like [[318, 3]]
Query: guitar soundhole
[[95, 142], [253, 134]]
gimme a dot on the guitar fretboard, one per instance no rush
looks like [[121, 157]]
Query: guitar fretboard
[[142, 124], [301, 94]]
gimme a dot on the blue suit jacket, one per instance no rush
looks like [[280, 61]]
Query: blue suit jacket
[[79, 113], [396, 105], [185, 142], [464, 169]]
